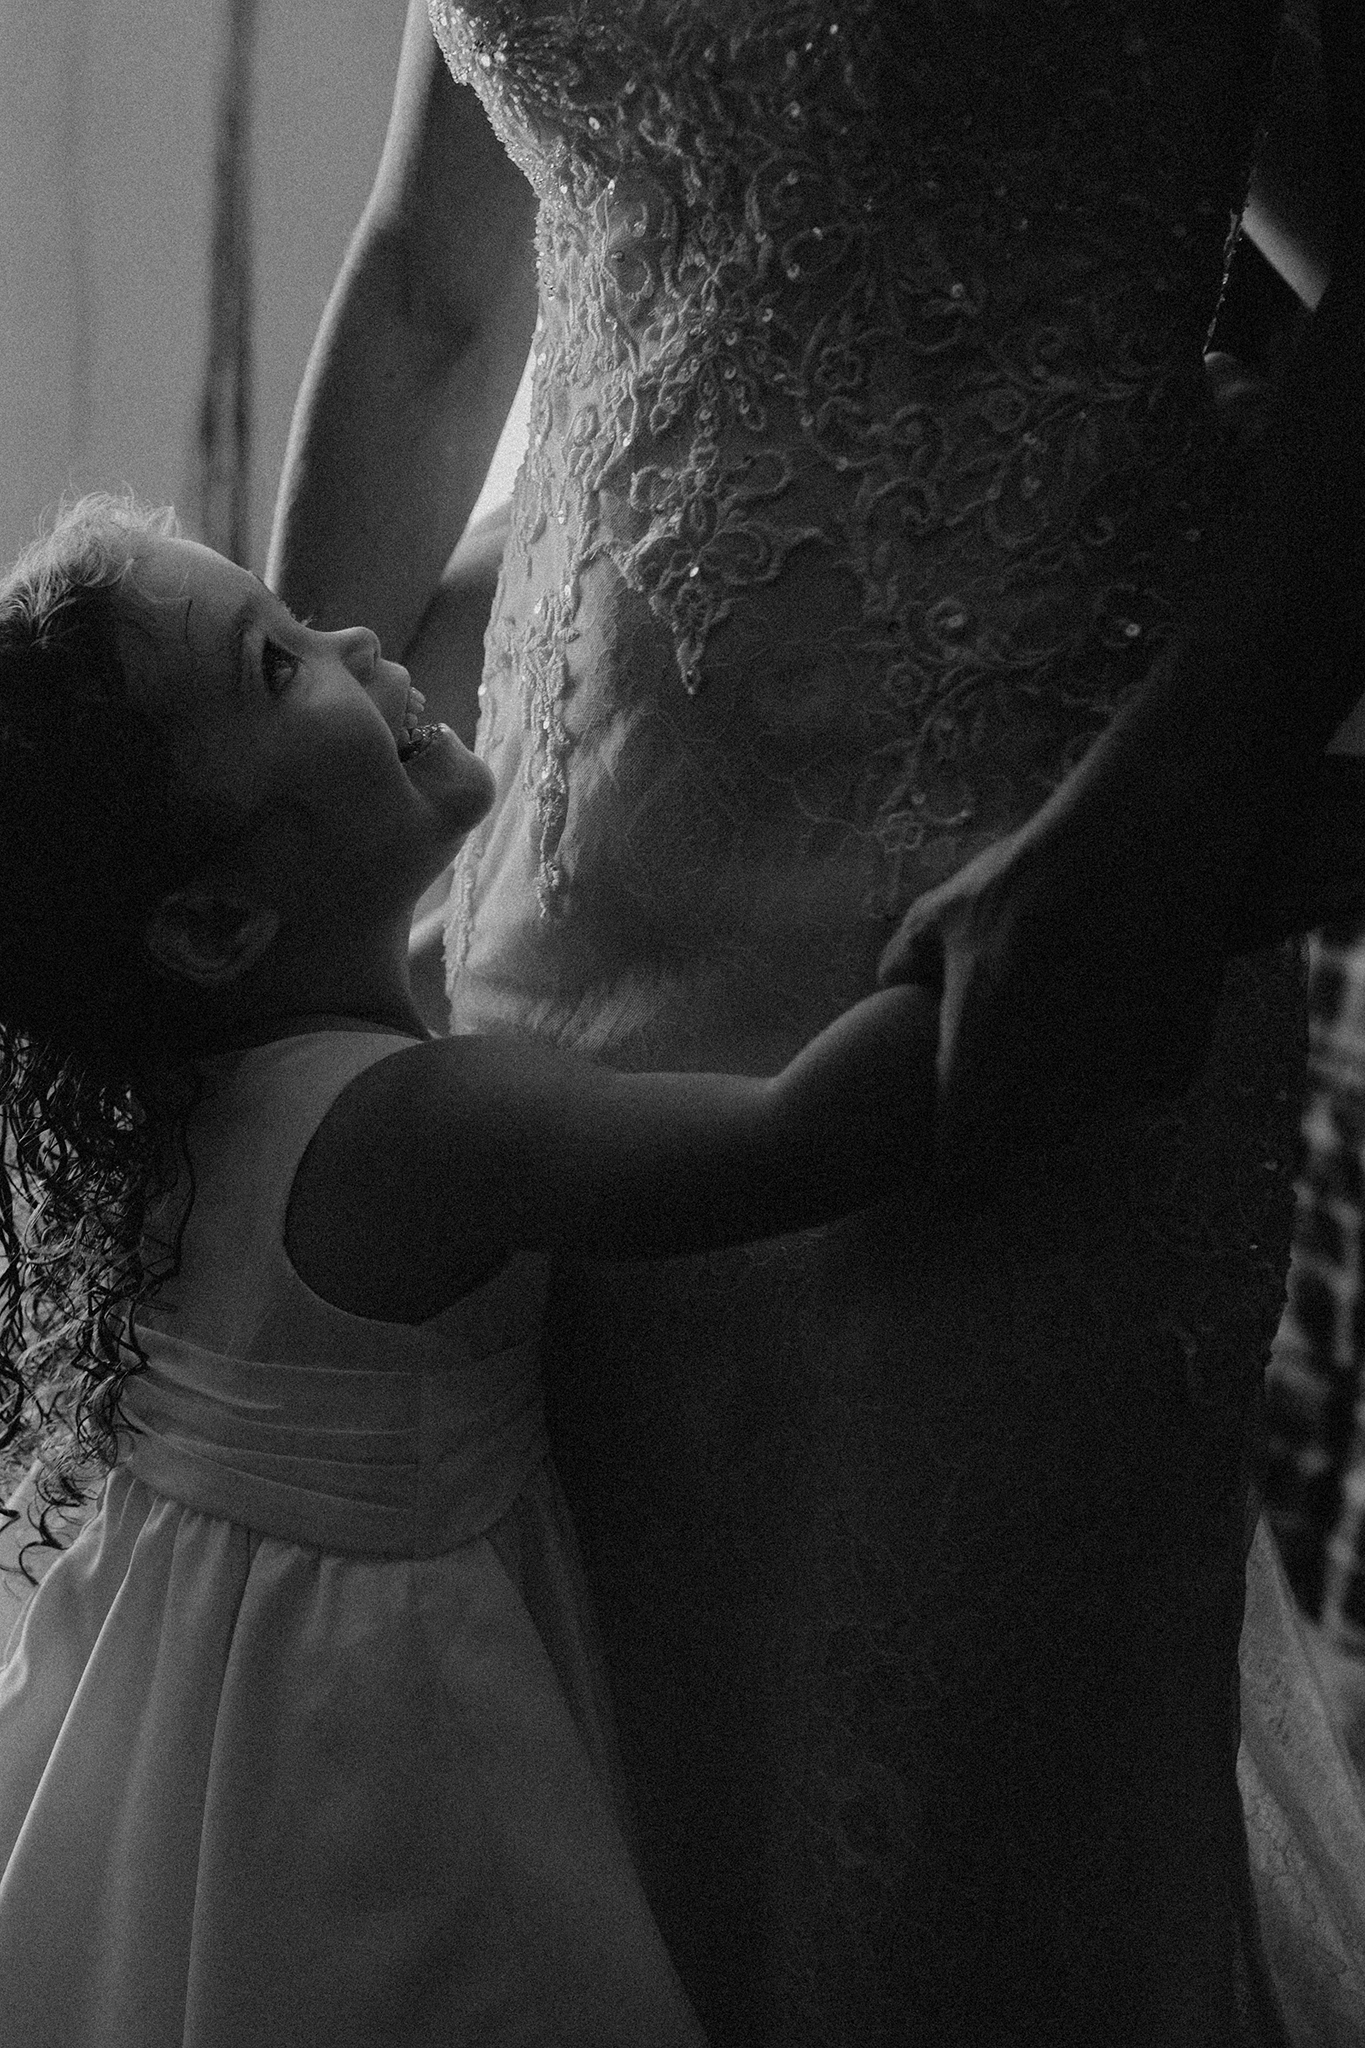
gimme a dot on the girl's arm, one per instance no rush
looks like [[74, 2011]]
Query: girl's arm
[[620, 1165], [415, 365], [441, 1160]]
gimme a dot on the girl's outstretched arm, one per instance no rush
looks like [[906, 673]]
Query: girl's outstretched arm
[[441, 1160]]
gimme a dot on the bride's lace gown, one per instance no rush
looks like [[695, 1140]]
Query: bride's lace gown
[[869, 460]]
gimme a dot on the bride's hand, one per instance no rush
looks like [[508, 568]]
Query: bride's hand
[[1066, 990], [1060, 992]]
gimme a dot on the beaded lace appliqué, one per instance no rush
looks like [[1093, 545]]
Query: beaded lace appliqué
[[813, 291]]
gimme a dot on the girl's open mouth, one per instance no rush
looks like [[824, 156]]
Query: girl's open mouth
[[417, 741]]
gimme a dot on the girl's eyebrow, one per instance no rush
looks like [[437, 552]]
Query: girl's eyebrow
[[275, 598]]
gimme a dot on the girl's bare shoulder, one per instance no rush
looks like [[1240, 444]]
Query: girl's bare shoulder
[[398, 1206]]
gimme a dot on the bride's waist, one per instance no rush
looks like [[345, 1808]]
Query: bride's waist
[[745, 1016], [816, 575], [671, 960]]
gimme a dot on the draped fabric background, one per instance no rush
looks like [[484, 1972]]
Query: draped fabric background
[[223, 496], [109, 141]]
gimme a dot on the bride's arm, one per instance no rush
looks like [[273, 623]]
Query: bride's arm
[[1081, 959], [415, 365], [445, 655], [445, 661]]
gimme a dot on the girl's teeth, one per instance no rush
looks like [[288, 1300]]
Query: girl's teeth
[[418, 737]]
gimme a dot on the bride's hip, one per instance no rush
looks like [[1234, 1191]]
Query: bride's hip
[[1110, 1302]]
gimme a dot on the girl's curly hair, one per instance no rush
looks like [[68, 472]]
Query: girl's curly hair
[[92, 1099]]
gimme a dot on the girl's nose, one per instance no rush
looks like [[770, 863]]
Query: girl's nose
[[359, 651]]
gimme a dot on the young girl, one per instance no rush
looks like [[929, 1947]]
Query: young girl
[[303, 1739]]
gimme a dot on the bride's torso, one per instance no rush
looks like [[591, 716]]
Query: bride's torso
[[869, 459]]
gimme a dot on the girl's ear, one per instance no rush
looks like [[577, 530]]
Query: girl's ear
[[208, 937]]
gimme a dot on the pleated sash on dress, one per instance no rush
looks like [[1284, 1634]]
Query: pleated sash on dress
[[371, 1462]]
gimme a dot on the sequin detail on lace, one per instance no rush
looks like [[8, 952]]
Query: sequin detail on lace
[[815, 299]]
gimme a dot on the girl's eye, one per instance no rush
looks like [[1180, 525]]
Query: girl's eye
[[278, 666]]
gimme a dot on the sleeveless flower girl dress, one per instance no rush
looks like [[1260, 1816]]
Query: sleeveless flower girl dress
[[304, 1740], [870, 463]]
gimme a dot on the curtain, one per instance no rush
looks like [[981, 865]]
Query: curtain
[[225, 410]]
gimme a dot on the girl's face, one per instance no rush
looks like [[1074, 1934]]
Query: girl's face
[[301, 728]]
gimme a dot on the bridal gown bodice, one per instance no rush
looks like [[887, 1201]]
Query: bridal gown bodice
[[869, 455], [869, 462]]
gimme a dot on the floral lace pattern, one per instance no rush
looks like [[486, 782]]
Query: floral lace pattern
[[891, 314]]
